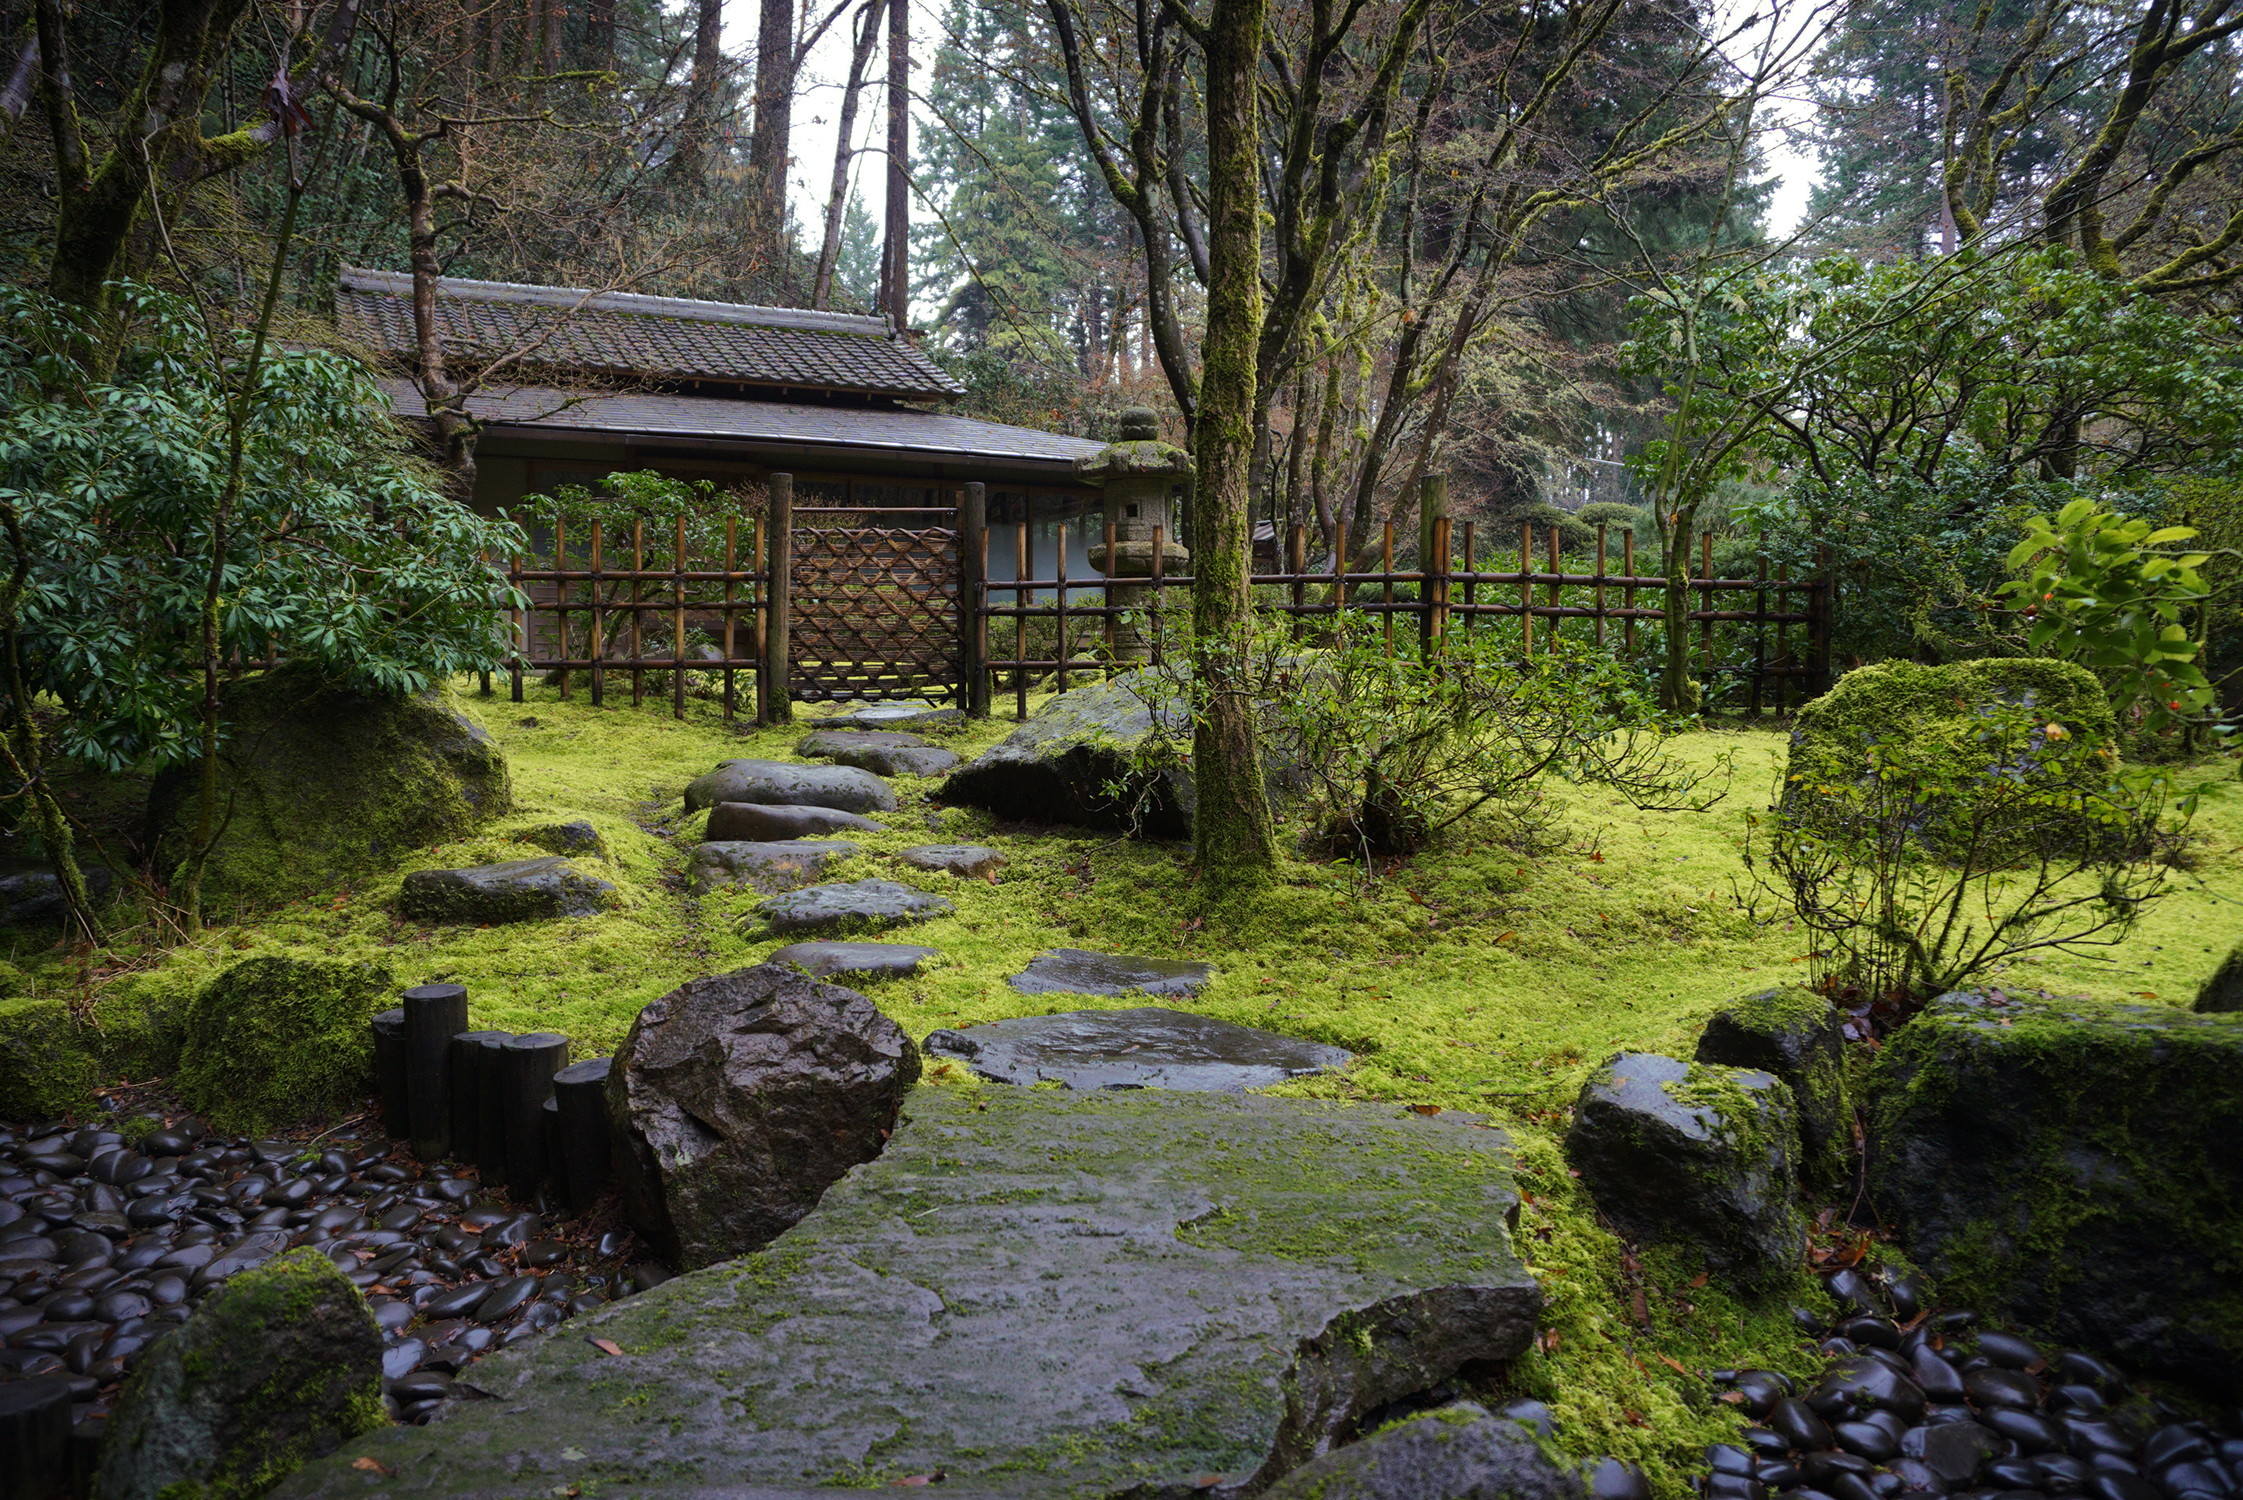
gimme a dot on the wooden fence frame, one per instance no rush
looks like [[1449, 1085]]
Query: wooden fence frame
[[753, 606]]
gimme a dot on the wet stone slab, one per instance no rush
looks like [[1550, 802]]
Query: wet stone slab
[[1039, 1293], [1146, 1048], [849, 906], [1077, 971], [968, 861], [858, 961], [767, 867]]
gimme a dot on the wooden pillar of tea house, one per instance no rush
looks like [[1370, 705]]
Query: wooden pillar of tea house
[[973, 625], [778, 594], [580, 1089], [36, 1452], [434, 1014], [1143, 478], [490, 1104], [528, 1064], [467, 1094], [389, 1072]]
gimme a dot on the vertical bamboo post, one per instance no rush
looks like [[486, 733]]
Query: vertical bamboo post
[[521, 629], [1628, 589], [1471, 579], [1022, 597], [1557, 573], [758, 623], [1759, 636], [677, 625], [561, 599], [1296, 558], [1783, 638], [973, 624], [1600, 585], [1433, 581], [778, 544], [1442, 567], [638, 611], [1059, 599], [599, 622], [1386, 583], [1526, 588], [731, 566]]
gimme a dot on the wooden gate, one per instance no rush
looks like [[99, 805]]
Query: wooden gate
[[874, 610]]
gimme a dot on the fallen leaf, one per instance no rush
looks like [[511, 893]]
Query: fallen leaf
[[1698, 1280], [1425, 1109], [1675, 1365], [1734, 1398], [607, 1346], [375, 1466], [1505, 935]]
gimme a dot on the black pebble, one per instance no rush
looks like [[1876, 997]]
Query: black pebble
[[2009, 1351], [1998, 1387], [1617, 1479], [2031, 1432], [2122, 1487]]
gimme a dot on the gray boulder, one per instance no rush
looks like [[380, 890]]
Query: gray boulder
[[281, 1365], [783, 784], [1456, 1452], [1048, 1295], [968, 861], [516, 890], [1064, 764], [930, 760], [850, 906], [1147, 1048], [854, 960], [765, 867], [2071, 1165], [1793, 1033], [577, 837], [765, 823], [328, 784], [737, 1100], [878, 716], [1695, 1154], [882, 752], [2224, 990], [33, 898], [1078, 971]]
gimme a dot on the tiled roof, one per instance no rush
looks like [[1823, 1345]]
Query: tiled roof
[[647, 338], [768, 423]]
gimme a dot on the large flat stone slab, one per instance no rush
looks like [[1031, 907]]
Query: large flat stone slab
[[884, 752], [858, 961], [966, 861], [761, 822], [1039, 1293], [1078, 971], [893, 716], [780, 783], [1146, 1048], [516, 890]]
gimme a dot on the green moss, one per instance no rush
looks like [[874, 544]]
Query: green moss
[[1908, 701], [273, 1040], [49, 1063]]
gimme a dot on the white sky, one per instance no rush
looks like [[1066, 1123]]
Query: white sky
[[818, 109]]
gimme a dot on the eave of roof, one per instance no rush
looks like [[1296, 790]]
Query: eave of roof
[[749, 426]]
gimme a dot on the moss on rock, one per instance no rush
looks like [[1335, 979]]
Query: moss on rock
[[328, 785], [2073, 1165], [272, 1040], [280, 1366], [1791, 1032], [49, 1063]]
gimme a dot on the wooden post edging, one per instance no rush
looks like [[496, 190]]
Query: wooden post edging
[[778, 705], [1432, 562]]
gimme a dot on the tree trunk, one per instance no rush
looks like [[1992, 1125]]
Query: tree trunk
[[769, 146], [689, 164], [837, 204], [895, 261], [1232, 833], [25, 757]]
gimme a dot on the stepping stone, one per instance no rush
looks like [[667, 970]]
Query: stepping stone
[[783, 783], [894, 716], [759, 822], [881, 752], [850, 906], [517, 890], [973, 861], [578, 837], [1032, 1291], [1147, 1048], [855, 960], [1075, 971], [769, 868]]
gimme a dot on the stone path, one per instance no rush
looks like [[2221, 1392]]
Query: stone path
[[1034, 1293], [1134, 1049]]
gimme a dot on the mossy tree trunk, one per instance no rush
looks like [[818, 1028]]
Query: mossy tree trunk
[[26, 761], [1233, 834]]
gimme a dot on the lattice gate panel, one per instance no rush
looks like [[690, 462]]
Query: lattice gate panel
[[874, 613]]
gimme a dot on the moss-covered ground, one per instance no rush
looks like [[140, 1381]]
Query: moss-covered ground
[[1474, 977]]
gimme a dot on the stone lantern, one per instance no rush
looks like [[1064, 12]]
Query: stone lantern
[[1143, 479]]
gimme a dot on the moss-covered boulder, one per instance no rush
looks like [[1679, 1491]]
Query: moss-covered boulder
[[280, 1366], [2075, 1166], [329, 783], [2224, 990], [1696, 1155], [1937, 721], [1793, 1033], [49, 1062], [514, 890], [273, 1040]]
